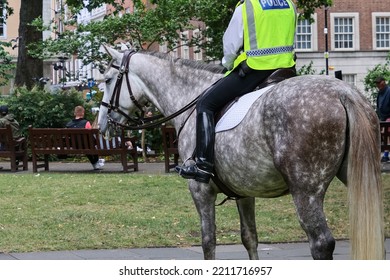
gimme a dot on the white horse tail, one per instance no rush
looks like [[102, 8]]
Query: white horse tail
[[364, 181]]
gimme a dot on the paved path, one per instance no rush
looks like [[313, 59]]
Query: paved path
[[85, 167], [282, 251], [279, 251]]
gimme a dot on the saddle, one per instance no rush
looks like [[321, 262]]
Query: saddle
[[276, 77]]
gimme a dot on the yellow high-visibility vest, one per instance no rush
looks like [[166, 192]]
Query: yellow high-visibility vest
[[269, 33]]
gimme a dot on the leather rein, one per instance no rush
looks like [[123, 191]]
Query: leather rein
[[150, 122], [141, 122]]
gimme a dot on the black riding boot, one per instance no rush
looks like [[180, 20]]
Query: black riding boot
[[202, 170]]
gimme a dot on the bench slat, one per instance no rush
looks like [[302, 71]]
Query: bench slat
[[78, 141], [385, 136]]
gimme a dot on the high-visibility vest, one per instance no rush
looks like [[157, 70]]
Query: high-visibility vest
[[269, 33]]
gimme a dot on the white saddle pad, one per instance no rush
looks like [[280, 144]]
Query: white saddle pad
[[238, 110]]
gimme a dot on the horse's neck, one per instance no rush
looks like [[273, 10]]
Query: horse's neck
[[169, 86]]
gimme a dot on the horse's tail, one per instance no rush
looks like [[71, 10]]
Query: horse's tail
[[364, 179]]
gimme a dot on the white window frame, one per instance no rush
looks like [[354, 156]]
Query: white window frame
[[355, 24], [163, 48], [314, 37], [185, 49], [174, 52], [350, 78], [198, 55], [374, 33]]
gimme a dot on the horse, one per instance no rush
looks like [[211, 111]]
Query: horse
[[295, 139]]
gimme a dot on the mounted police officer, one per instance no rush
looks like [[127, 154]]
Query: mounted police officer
[[259, 40]]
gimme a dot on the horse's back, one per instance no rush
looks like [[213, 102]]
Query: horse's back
[[295, 129]]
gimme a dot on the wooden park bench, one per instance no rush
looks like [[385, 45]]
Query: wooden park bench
[[14, 149], [385, 136], [79, 141], [169, 147]]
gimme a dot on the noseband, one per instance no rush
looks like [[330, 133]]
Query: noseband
[[141, 122]]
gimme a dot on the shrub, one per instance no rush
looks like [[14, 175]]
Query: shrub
[[41, 108]]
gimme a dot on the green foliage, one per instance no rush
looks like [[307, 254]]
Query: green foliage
[[306, 69], [41, 108], [6, 64], [91, 4], [372, 74], [9, 10], [149, 25], [306, 8]]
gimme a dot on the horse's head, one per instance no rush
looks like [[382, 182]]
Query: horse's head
[[121, 96]]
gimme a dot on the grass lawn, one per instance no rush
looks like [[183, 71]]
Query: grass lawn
[[57, 211]]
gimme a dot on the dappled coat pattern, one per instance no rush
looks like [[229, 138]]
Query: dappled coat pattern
[[295, 139]]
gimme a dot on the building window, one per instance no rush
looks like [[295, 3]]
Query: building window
[[174, 52], [3, 34], [350, 79], [306, 35], [163, 48], [345, 31], [381, 31], [197, 51], [185, 50]]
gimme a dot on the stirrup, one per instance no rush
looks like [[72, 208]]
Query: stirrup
[[196, 166], [194, 172]]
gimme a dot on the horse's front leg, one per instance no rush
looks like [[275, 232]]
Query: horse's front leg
[[246, 208], [204, 197]]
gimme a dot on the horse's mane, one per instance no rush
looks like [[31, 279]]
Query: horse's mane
[[196, 64]]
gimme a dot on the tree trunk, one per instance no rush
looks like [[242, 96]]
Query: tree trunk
[[28, 69]]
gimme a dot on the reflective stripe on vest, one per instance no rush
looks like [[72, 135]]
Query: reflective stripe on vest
[[269, 51], [261, 51]]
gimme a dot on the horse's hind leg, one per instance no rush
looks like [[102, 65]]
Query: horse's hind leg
[[204, 198], [246, 208], [312, 219]]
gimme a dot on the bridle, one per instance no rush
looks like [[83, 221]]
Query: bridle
[[149, 122], [140, 122]]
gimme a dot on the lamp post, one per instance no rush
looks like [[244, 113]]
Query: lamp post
[[326, 54], [62, 60]]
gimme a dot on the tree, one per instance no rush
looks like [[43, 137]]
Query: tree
[[28, 68], [152, 24], [6, 64]]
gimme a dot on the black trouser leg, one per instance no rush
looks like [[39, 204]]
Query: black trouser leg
[[93, 158]]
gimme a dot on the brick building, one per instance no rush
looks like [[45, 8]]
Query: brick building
[[358, 38]]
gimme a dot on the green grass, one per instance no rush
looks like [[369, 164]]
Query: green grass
[[54, 211]]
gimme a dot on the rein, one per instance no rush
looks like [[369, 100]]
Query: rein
[[141, 122], [150, 122]]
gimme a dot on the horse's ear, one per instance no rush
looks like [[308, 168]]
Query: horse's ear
[[124, 47], [112, 52], [106, 49]]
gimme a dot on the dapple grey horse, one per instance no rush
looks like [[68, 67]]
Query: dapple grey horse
[[296, 138]]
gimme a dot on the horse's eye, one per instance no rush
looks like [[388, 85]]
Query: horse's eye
[[108, 81]]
